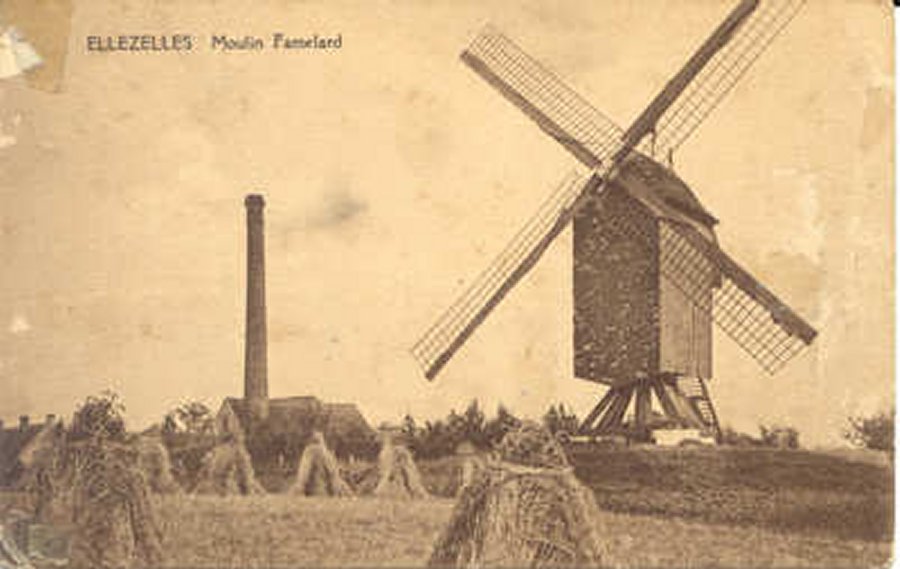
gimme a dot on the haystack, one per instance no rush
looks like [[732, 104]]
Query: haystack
[[398, 476], [10, 555], [228, 471], [526, 509], [115, 523], [469, 464], [47, 476], [153, 460], [319, 473]]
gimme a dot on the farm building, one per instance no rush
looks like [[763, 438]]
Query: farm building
[[14, 440], [289, 423]]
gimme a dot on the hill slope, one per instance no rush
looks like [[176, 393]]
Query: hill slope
[[789, 490]]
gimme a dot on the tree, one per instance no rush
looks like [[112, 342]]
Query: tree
[[875, 432], [100, 416], [732, 437], [502, 423], [441, 437], [470, 425], [560, 419], [437, 439], [779, 436], [193, 418]]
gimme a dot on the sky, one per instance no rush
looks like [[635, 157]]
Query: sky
[[393, 175]]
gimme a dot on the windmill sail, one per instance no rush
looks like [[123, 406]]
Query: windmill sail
[[764, 21], [435, 348], [563, 114], [757, 320]]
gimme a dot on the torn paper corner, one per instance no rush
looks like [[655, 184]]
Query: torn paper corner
[[16, 55]]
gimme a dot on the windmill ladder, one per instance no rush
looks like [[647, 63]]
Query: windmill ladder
[[698, 395]]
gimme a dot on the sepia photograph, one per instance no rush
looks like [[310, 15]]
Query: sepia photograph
[[447, 284]]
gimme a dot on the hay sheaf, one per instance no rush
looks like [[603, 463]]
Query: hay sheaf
[[48, 470], [319, 473], [526, 509], [516, 516], [228, 471], [398, 475], [116, 525], [153, 460]]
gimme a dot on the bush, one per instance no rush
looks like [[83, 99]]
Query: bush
[[779, 436], [441, 437], [731, 437], [560, 419], [875, 432]]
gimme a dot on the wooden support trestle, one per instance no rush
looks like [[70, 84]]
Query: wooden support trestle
[[686, 401]]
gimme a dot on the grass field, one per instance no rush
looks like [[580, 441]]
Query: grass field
[[785, 490], [659, 508], [277, 531], [281, 531]]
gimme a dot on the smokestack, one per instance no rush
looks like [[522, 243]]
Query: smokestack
[[23, 422], [256, 388]]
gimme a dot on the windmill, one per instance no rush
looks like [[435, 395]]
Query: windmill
[[649, 277]]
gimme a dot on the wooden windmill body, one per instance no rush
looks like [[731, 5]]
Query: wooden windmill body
[[649, 278], [634, 330]]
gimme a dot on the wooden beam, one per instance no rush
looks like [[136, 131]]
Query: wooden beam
[[548, 125], [642, 404], [597, 411], [646, 122], [664, 400], [613, 416], [606, 417], [620, 412]]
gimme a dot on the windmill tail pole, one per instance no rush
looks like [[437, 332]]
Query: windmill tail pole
[[646, 122]]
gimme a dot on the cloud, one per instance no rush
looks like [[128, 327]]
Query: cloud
[[338, 207]]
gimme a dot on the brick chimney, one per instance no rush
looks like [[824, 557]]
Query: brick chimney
[[256, 387]]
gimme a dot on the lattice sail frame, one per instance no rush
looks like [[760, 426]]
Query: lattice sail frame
[[561, 112], [707, 89], [587, 133], [453, 327], [761, 324]]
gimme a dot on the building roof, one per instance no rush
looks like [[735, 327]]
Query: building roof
[[664, 193], [300, 416], [12, 441]]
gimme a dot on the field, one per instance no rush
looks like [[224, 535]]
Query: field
[[659, 508], [846, 496], [273, 531]]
